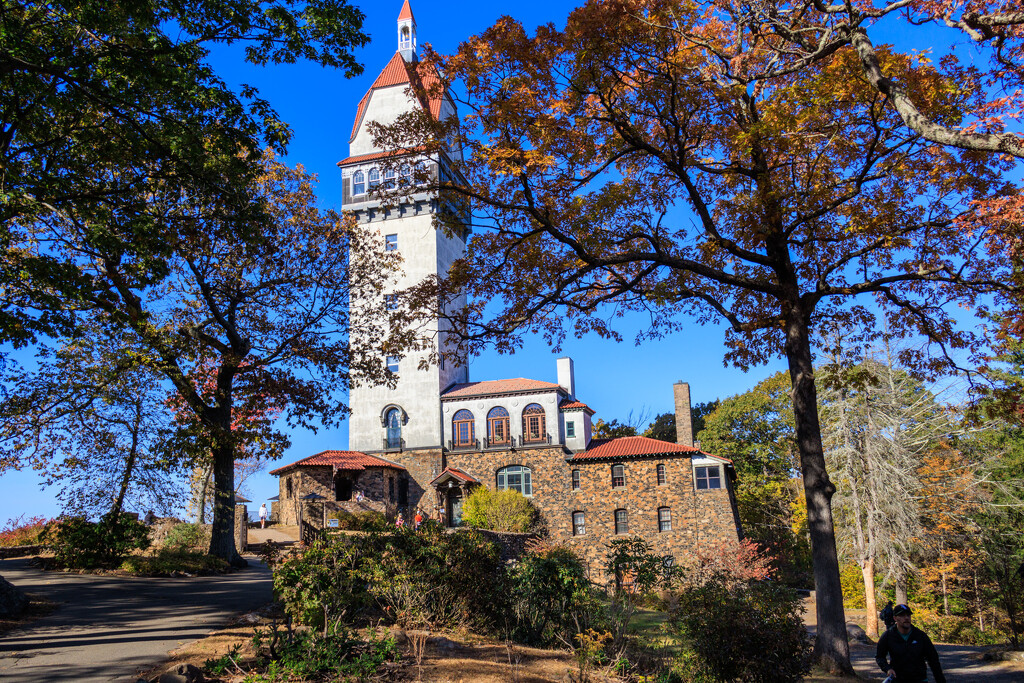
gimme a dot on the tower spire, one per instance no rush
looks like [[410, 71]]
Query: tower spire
[[407, 33]]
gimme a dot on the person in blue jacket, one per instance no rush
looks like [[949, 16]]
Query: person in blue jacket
[[903, 651]]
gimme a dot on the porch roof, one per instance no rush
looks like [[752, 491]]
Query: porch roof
[[342, 460], [453, 473]]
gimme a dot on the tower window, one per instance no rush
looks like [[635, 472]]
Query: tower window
[[662, 478], [498, 427], [618, 476], [358, 183], [621, 522], [374, 178], [391, 242], [392, 363], [708, 478], [393, 424], [462, 428], [579, 524], [405, 39], [533, 424], [515, 477], [570, 430]]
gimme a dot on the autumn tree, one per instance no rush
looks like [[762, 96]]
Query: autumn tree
[[648, 154], [87, 84], [235, 326]]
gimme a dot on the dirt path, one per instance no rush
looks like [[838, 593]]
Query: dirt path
[[108, 628]]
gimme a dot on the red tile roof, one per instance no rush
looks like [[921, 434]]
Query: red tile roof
[[456, 473], [575, 405], [398, 72], [406, 12], [497, 386], [636, 446], [342, 460], [380, 155]]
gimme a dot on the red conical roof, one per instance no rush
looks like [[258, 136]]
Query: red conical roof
[[406, 12]]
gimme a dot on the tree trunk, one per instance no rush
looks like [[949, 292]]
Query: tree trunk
[[129, 465], [901, 588], [945, 596], [222, 533], [867, 568], [832, 648]]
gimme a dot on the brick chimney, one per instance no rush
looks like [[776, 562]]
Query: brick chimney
[[684, 421]]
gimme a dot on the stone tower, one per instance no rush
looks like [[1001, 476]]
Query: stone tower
[[402, 424]]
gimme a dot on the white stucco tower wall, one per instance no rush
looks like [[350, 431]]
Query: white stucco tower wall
[[425, 249]]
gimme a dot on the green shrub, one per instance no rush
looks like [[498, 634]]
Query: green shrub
[[187, 536], [20, 531], [80, 544], [170, 560], [364, 520], [852, 580], [956, 629], [303, 655], [504, 510], [324, 585], [743, 632], [551, 599]]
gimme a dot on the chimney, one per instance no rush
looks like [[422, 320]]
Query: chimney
[[684, 421], [566, 378]]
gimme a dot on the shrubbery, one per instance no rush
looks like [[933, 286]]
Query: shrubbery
[[551, 600], [737, 628], [80, 544], [504, 510], [425, 577], [366, 520], [188, 536], [20, 531]]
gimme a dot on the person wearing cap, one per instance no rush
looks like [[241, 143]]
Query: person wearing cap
[[904, 650]]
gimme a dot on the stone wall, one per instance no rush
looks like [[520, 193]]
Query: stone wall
[[697, 517]]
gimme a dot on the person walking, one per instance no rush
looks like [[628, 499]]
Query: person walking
[[263, 516], [886, 616], [903, 651]]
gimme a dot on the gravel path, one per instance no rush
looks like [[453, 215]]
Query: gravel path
[[110, 628]]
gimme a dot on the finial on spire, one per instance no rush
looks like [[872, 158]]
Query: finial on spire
[[407, 33]]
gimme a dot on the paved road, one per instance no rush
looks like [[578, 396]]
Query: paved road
[[110, 628]]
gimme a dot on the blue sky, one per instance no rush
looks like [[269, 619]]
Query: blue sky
[[319, 104]]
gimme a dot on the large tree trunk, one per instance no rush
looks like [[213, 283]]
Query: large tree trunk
[[867, 568], [832, 648], [129, 465], [222, 535], [901, 587]]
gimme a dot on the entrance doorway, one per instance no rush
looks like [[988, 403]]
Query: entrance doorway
[[454, 507]]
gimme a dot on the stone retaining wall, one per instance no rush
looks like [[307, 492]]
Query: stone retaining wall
[[20, 551]]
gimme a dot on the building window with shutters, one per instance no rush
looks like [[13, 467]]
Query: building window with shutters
[[463, 428], [579, 524], [621, 522], [662, 479], [664, 519], [534, 427], [498, 427], [618, 476], [570, 430]]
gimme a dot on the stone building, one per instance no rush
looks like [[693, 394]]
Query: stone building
[[433, 436]]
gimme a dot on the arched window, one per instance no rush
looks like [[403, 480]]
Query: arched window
[[406, 174], [579, 524], [621, 522], [497, 427], [534, 428], [421, 173], [389, 178], [358, 183], [462, 428], [662, 478], [374, 178], [517, 478], [618, 476], [406, 39], [393, 422]]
